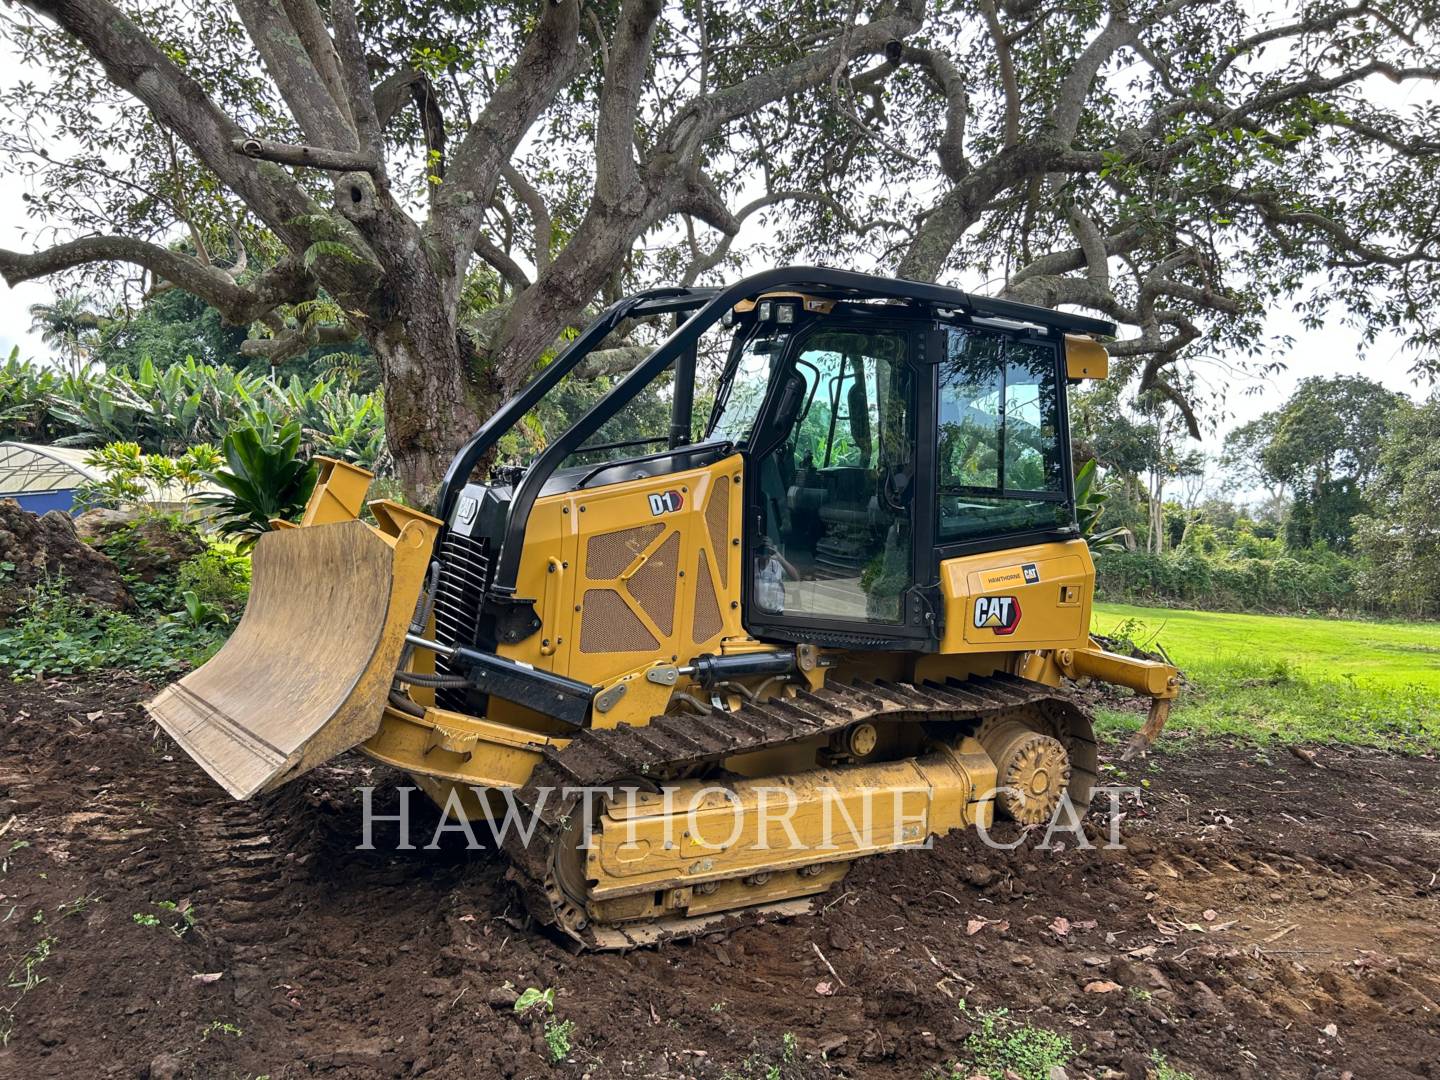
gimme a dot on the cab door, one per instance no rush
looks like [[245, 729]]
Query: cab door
[[830, 551]]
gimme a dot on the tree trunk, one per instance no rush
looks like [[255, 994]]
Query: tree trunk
[[1157, 512], [435, 396]]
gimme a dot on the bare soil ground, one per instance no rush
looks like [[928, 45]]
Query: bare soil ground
[[1268, 919]]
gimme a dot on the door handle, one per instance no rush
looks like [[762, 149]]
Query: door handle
[[554, 587]]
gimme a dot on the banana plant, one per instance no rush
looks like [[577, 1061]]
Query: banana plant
[[1090, 506]]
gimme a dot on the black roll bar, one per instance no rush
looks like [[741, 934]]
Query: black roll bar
[[712, 304], [653, 302]]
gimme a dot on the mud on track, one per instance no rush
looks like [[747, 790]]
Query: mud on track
[[1260, 900]]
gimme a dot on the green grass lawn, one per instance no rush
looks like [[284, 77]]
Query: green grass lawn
[[1291, 679]]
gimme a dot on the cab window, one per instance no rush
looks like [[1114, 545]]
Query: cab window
[[1000, 468]]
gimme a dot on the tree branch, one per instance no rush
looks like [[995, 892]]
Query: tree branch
[[294, 72], [629, 61], [546, 62], [356, 76], [136, 64], [1008, 81], [703, 115], [286, 282], [534, 202], [288, 342], [501, 261], [315, 37], [310, 157], [702, 262], [950, 81]]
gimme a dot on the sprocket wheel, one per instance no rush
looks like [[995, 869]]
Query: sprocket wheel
[[1032, 771]]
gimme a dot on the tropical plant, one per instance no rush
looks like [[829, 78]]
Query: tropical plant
[[134, 478], [1090, 507], [197, 613], [266, 479], [165, 410], [69, 326], [25, 390]]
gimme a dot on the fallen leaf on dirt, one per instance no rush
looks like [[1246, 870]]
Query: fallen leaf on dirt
[[1061, 926], [467, 918], [203, 977], [974, 926], [1085, 924], [1307, 756], [1281, 933], [1209, 914], [1101, 986], [654, 1016], [824, 989], [1331, 1030], [95, 715], [1144, 952]]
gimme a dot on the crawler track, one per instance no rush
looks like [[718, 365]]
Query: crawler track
[[675, 746]]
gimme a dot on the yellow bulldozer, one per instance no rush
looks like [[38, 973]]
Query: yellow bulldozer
[[862, 587]]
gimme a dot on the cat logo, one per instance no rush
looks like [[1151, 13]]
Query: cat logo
[[999, 613], [1031, 572], [666, 503]]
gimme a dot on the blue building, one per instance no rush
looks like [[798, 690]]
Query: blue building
[[42, 478]]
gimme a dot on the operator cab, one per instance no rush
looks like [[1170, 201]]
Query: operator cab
[[881, 438]]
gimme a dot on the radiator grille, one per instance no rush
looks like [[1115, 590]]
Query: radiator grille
[[608, 625], [653, 585], [608, 554], [717, 518], [707, 621], [459, 597]]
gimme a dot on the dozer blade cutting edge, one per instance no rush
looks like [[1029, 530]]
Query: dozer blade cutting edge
[[306, 674]]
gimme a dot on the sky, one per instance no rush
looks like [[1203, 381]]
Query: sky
[[1332, 350]]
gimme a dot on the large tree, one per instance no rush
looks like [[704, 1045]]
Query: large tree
[[1183, 166], [1177, 164], [1401, 536], [366, 152], [1323, 446]]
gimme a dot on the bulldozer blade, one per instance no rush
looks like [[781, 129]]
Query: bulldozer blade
[[307, 672]]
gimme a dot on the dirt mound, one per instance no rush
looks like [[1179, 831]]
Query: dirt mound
[[147, 546], [36, 548], [1267, 919]]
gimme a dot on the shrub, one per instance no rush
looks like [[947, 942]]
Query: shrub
[[134, 478], [1308, 581], [150, 550], [61, 634], [217, 576]]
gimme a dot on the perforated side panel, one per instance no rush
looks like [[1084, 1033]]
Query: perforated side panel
[[707, 606], [608, 625], [653, 585], [717, 519], [608, 554]]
